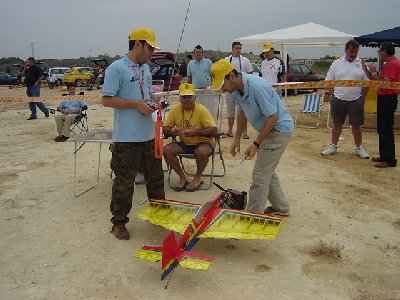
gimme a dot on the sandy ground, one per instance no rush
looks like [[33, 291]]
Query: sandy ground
[[56, 246]]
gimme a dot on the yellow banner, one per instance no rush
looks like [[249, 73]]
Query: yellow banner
[[324, 84]]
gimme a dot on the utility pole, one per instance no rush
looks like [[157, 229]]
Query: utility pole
[[90, 50], [33, 49]]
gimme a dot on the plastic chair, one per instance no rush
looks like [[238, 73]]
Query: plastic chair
[[312, 103], [215, 108]]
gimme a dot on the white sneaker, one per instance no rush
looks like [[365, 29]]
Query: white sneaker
[[332, 149], [361, 152], [139, 178]]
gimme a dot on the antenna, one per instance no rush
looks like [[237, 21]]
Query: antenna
[[32, 49]]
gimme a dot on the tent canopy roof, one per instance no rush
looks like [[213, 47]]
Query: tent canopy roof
[[374, 39], [305, 35]]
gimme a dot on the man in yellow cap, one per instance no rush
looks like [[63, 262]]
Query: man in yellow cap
[[127, 89], [195, 127], [272, 68], [268, 115]]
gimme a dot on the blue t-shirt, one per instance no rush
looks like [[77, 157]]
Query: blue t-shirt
[[72, 104], [130, 82], [200, 72], [261, 101]]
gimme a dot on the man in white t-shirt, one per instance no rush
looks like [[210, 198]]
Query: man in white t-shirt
[[242, 65], [347, 100], [272, 68]]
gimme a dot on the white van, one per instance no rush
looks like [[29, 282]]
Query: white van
[[58, 72]]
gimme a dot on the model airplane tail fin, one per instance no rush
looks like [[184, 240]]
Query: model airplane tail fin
[[191, 260], [168, 249]]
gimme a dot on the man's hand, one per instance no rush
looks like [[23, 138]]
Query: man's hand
[[251, 151], [235, 147], [144, 108], [175, 131], [371, 68]]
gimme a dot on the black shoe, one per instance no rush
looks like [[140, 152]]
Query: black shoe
[[47, 114], [31, 118], [270, 211]]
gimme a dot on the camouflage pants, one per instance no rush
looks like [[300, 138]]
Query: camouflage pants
[[126, 159]]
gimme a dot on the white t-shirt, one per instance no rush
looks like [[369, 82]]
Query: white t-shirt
[[342, 69], [241, 64], [270, 69]]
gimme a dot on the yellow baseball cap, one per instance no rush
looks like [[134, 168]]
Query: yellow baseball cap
[[267, 47], [186, 89], [218, 71], [144, 34]]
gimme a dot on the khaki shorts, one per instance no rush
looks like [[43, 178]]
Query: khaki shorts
[[230, 105]]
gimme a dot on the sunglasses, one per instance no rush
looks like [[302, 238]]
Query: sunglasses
[[148, 45]]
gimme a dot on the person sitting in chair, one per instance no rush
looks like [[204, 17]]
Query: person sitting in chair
[[195, 126], [69, 110]]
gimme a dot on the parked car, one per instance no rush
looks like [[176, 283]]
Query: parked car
[[162, 66], [20, 69], [58, 73], [7, 79], [298, 72], [78, 75]]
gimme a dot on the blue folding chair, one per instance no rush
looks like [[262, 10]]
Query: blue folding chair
[[312, 106]]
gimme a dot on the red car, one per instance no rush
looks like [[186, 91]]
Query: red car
[[163, 67]]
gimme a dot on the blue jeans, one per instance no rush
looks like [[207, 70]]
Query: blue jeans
[[34, 91]]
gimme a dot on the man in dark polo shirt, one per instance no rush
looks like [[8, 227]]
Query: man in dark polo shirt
[[33, 77]]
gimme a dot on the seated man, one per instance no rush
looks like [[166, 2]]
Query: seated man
[[195, 126], [69, 110]]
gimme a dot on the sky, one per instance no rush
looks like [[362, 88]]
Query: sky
[[71, 29]]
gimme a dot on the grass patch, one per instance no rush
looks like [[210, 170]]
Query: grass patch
[[332, 250]]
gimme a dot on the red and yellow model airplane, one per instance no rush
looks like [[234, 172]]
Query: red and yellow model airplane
[[221, 218]]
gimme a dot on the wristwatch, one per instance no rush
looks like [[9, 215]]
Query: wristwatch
[[257, 144]]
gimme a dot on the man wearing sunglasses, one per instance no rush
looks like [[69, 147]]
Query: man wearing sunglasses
[[270, 118], [127, 89]]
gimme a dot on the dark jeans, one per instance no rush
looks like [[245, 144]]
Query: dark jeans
[[126, 159], [34, 91], [387, 105]]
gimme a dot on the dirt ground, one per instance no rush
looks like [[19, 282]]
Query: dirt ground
[[56, 246]]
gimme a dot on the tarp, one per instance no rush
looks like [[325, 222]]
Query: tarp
[[305, 35], [374, 39]]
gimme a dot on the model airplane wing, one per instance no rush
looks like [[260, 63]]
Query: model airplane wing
[[225, 224], [240, 224], [172, 215]]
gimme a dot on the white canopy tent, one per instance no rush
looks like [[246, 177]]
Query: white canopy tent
[[305, 35]]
